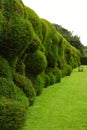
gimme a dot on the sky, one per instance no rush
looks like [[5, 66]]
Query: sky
[[70, 14]]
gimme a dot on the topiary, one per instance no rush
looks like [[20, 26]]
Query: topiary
[[58, 74], [52, 78], [26, 86], [9, 90], [20, 67], [67, 69], [35, 21], [47, 80], [35, 63], [13, 105], [51, 59], [1, 26], [39, 83], [5, 70], [12, 8], [44, 30], [17, 35], [12, 114], [59, 63], [34, 45]]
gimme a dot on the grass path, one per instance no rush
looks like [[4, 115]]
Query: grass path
[[62, 106]]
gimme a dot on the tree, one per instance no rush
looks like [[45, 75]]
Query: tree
[[74, 40]]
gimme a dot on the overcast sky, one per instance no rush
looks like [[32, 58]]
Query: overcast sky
[[70, 14]]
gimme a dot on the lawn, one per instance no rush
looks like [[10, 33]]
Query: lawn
[[62, 106]]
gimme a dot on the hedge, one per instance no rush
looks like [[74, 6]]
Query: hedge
[[26, 86], [12, 114], [35, 63], [5, 69]]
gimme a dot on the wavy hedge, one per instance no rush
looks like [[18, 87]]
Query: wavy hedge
[[33, 55]]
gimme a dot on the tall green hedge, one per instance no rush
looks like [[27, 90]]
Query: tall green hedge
[[33, 55]]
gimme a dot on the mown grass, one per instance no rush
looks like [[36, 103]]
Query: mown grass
[[62, 106]]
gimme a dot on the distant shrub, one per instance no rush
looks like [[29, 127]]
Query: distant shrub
[[5, 70], [35, 63], [12, 114], [26, 86]]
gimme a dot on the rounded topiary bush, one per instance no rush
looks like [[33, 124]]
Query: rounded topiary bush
[[17, 35], [52, 78], [67, 69], [5, 70], [47, 80], [13, 105], [64, 70], [35, 63], [12, 114], [11, 8], [56, 72], [26, 86], [11, 91]]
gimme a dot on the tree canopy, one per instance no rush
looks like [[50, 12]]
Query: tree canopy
[[74, 40]]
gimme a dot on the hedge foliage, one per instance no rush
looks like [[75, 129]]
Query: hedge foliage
[[9, 90], [26, 86], [33, 55], [35, 63], [13, 105], [5, 69], [12, 114]]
